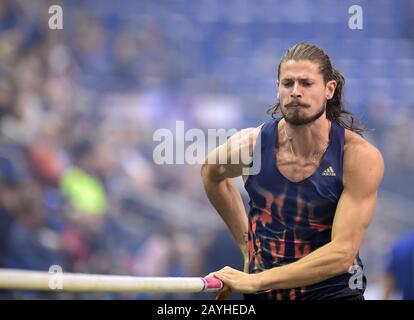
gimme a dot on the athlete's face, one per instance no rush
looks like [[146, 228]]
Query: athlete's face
[[302, 92]]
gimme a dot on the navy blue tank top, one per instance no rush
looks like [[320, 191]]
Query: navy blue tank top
[[288, 220]]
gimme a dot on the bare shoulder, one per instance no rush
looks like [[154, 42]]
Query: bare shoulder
[[359, 149], [243, 142], [247, 136], [363, 162], [229, 159]]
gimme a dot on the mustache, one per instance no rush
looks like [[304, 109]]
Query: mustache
[[297, 102]]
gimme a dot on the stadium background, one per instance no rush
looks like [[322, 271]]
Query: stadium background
[[79, 106]]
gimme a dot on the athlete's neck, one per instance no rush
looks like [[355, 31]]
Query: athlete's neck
[[307, 140]]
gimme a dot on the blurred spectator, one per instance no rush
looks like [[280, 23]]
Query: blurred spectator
[[79, 107], [399, 273]]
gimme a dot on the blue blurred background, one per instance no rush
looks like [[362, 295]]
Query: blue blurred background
[[79, 106]]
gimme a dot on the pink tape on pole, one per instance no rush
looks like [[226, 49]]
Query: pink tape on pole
[[212, 284]]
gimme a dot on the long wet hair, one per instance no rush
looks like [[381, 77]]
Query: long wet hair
[[335, 110]]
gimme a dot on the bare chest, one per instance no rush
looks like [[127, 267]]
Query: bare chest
[[295, 168]]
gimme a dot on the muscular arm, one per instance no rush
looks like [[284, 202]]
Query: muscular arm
[[220, 189], [363, 171]]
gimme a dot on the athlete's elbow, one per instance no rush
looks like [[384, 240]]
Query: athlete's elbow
[[345, 258], [344, 266]]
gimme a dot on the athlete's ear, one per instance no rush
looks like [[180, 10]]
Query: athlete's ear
[[330, 89]]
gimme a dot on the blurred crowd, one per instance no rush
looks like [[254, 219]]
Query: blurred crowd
[[79, 106]]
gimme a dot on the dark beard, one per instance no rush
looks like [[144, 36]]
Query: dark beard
[[296, 120]]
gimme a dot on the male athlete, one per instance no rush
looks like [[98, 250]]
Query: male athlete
[[315, 194]]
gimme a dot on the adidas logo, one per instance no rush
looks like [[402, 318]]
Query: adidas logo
[[329, 172]]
